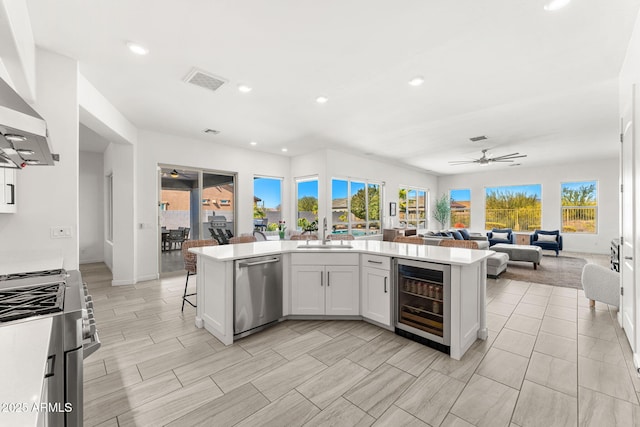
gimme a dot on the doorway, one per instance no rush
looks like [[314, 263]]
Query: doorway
[[193, 204]]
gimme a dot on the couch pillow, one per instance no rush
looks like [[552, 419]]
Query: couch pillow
[[464, 233], [456, 235], [546, 237], [500, 236]]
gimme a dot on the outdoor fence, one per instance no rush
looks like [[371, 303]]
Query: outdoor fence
[[579, 219], [521, 219], [461, 216]]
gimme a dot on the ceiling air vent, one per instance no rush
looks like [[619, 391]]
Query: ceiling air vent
[[205, 80], [211, 131], [478, 138]]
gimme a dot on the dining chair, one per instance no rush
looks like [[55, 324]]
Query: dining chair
[[304, 237], [340, 237], [416, 240], [175, 237], [191, 264]]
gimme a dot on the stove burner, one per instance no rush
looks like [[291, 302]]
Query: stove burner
[[27, 301], [29, 274]]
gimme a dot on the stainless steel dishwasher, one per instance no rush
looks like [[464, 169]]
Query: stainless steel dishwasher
[[257, 294]]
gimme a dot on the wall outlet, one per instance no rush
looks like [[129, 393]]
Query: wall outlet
[[61, 232]]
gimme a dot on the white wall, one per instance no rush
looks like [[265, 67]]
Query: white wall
[[47, 196], [605, 172], [119, 160], [156, 148], [91, 203]]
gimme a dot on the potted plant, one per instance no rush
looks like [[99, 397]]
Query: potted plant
[[281, 228], [442, 210]]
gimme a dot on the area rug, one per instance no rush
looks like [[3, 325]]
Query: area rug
[[558, 271]]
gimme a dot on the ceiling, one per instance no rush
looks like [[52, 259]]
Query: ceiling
[[535, 82]]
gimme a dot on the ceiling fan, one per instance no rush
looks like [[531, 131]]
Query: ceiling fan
[[484, 160]]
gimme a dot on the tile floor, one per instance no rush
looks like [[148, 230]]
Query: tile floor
[[549, 361]]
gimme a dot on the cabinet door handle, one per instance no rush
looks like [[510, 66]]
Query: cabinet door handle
[[328, 278], [321, 279], [13, 194], [628, 257], [374, 262], [385, 285]]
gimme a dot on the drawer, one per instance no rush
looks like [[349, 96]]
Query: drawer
[[376, 261], [324, 259]]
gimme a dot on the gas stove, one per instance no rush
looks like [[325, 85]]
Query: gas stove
[[27, 301], [62, 295]]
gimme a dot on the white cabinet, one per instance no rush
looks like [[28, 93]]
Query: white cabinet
[[7, 190], [376, 289], [320, 288]]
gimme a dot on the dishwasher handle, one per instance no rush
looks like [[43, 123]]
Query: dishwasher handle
[[251, 264]]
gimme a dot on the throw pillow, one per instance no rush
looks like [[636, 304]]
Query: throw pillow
[[457, 235], [500, 236], [546, 238], [464, 233]]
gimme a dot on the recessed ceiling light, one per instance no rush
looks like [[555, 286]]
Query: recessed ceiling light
[[322, 99], [14, 137], [556, 4], [244, 88], [284, 150], [137, 49], [253, 143], [416, 81]]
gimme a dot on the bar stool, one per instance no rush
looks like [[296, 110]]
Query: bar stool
[[190, 264]]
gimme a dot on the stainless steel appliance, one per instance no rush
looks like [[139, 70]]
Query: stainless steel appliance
[[257, 294], [423, 302], [62, 295], [23, 133]]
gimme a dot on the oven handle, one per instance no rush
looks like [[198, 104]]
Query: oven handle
[[91, 347]]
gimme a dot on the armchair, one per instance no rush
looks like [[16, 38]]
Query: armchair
[[500, 237], [551, 240], [601, 284]]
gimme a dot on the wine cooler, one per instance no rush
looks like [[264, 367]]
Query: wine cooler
[[423, 308]]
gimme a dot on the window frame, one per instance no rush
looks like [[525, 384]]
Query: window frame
[[515, 229], [596, 209], [274, 178], [451, 222], [299, 180], [427, 197], [368, 221]]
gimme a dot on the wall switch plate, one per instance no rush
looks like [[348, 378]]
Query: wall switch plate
[[61, 232]]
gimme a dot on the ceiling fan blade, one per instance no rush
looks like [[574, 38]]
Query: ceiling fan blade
[[501, 161], [462, 162], [509, 156]]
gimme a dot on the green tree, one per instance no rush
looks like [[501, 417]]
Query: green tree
[[258, 211], [442, 210], [308, 204], [359, 206], [585, 195], [507, 200], [402, 200]]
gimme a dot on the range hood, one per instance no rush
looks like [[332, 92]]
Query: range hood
[[23, 139]]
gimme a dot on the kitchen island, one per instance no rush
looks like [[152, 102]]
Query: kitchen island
[[358, 293]]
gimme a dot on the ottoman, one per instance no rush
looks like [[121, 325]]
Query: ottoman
[[496, 264], [524, 253]]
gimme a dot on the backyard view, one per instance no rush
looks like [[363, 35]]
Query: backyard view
[[516, 207], [579, 207], [460, 208], [412, 209], [355, 206]]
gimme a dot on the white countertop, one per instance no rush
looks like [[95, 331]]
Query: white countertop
[[442, 255], [23, 360]]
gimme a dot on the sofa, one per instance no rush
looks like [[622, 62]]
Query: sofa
[[549, 240], [496, 263], [501, 235], [456, 234]]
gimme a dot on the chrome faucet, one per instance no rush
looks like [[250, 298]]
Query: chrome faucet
[[324, 231]]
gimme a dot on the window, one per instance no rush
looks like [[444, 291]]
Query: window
[[110, 207], [355, 207], [460, 208], [307, 208], [413, 207], [518, 207], [267, 203], [579, 207]]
